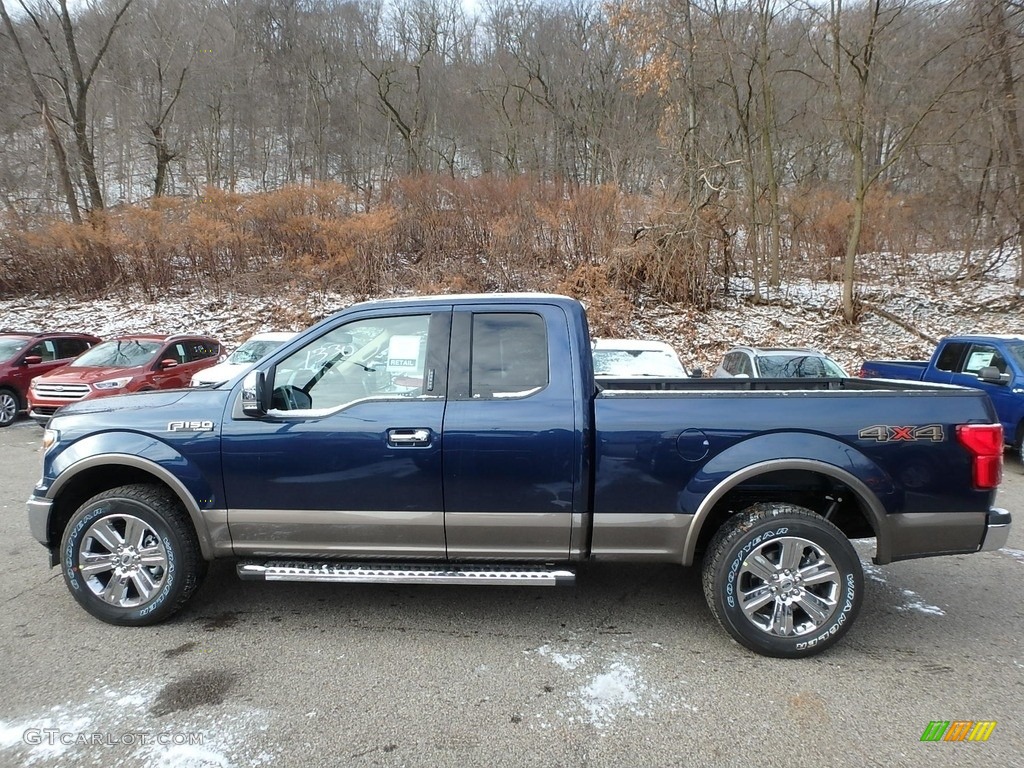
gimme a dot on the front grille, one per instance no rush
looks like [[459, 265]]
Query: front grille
[[66, 392]]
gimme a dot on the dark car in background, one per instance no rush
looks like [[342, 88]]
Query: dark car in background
[[24, 355], [136, 363]]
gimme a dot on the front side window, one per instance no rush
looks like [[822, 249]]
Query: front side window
[[982, 356], [509, 356], [47, 350], [376, 357], [743, 364]]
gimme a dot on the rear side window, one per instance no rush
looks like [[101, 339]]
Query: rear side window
[[950, 357], [509, 356], [200, 350], [71, 347]]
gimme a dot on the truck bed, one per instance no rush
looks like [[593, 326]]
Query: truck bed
[[609, 387]]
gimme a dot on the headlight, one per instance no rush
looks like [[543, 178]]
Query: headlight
[[113, 383], [50, 438]]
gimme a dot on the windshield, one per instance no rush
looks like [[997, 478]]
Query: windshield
[[637, 362], [119, 353], [252, 350], [790, 366], [9, 347]]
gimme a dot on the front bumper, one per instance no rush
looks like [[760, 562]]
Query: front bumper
[[997, 530], [39, 519]]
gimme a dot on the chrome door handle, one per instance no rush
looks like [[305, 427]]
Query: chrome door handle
[[417, 436]]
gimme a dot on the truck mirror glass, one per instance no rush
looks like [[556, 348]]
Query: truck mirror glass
[[254, 394]]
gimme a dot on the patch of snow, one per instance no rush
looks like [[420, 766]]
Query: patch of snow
[[915, 603], [567, 661], [1016, 554], [609, 693], [119, 731]]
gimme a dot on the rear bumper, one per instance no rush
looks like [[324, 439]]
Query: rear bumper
[[930, 534], [997, 530]]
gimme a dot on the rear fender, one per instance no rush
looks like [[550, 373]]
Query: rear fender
[[874, 488]]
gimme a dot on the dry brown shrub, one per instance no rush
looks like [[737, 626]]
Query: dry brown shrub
[[610, 310], [678, 257], [819, 221]]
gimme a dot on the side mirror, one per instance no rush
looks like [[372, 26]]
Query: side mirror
[[696, 373], [33, 359], [168, 362], [254, 394], [991, 375]]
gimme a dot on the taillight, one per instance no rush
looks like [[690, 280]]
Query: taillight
[[985, 442]]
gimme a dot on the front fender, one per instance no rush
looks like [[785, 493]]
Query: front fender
[[790, 451], [183, 474]]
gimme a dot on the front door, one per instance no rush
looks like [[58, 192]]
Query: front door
[[348, 461]]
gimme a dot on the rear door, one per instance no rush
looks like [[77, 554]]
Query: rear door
[[509, 433]]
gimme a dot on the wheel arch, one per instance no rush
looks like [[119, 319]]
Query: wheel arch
[[715, 508], [90, 476]]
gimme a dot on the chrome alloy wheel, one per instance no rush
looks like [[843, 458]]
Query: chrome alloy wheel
[[123, 561], [788, 586], [8, 407]]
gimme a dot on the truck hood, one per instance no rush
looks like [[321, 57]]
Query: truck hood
[[130, 402]]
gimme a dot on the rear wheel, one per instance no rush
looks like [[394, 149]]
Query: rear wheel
[[9, 406], [130, 555], [782, 580]]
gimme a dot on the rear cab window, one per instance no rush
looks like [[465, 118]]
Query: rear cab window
[[509, 355]]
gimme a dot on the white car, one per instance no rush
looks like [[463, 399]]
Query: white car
[[778, 363], [633, 358], [241, 359]]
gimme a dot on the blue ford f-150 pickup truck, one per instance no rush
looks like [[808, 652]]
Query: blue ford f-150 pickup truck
[[993, 364], [463, 440]]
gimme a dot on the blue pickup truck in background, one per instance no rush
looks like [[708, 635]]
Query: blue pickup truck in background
[[993, 364], [465, 440]]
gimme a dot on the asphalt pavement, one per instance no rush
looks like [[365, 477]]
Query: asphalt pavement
[[627, 668]]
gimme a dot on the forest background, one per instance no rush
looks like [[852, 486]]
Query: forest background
[[672, 159]]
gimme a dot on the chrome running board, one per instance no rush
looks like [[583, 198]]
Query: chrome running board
[[298, 570]]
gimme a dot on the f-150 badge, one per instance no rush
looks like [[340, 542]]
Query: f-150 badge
[[190, 426]]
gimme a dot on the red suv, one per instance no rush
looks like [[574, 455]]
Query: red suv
[[25, 355], [125, 364]]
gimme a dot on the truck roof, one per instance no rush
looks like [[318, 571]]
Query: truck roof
[[472, 298], [983, 336]]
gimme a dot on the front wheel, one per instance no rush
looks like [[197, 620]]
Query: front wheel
[[783, 581], [9, 407], [130, 555]]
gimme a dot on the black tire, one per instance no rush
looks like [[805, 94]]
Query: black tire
[[140, 552], [805, 586], [10, 404]]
